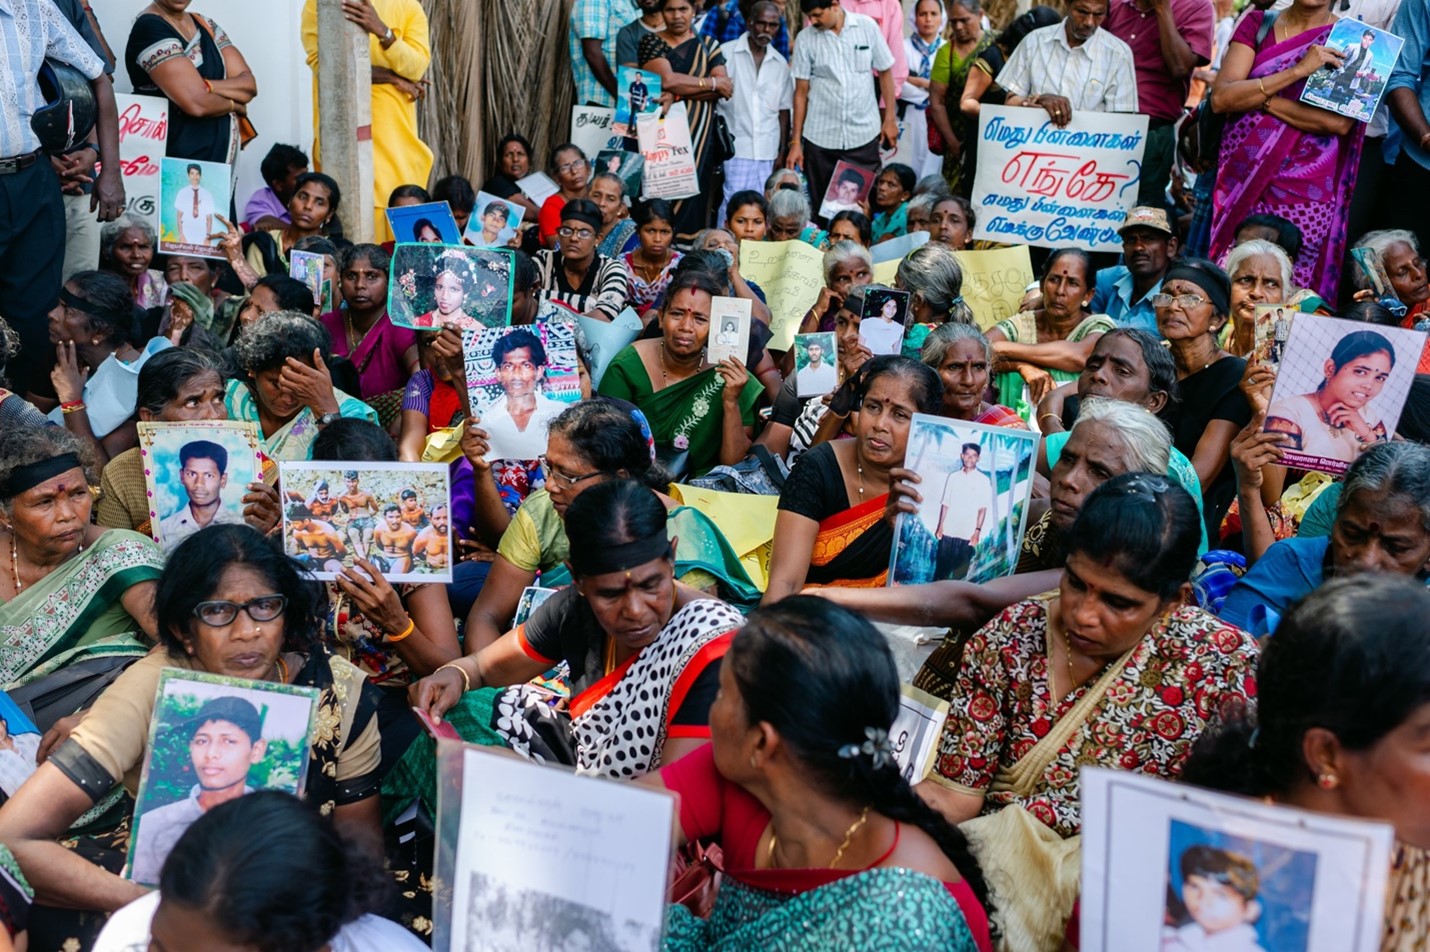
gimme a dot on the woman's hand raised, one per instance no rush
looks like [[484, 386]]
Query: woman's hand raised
[[313, 385]]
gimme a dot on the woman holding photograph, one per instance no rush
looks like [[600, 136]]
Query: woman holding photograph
[[512, 165], [452, 280], [228, 604], [701, 415], [286, 388], [313, 206], [963, 358], [1343, 692], [650, 264], [831, 528], [825, 845], [385, 355], [1337, 422]]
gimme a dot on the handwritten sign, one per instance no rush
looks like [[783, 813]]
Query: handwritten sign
[[791, 274], [669, 158], [591, 128], [143, 131], [993, 282], [1053, 187]]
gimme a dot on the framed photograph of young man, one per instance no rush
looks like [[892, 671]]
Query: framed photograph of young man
[[196, 475]]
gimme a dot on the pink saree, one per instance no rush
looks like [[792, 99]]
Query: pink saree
[[1266, 166]]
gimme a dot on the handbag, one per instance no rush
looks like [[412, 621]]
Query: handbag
[[697, 878], [724, 140], [1211, 124], [246, 132]]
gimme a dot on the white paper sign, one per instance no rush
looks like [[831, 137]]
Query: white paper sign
[[143, 132], [729, 329], [1171, 866], [916, 731], [538, 187], [591, 128], [1039, 184], [542, 855], [669, 158]]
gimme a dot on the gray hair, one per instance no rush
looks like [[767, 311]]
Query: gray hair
[[23, 445], [1146, 440], [923, 203], [933, 273], [942, 338], [1254, 248], [934, 184], [789, 203], [842, 251], [1401, 468], [109, 233], [1380, 242], [698, 242], [275, 337]]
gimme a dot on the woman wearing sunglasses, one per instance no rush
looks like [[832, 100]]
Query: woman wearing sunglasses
[[228, 604], [588, 444]]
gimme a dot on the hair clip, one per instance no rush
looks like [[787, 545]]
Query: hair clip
[[875, 746]]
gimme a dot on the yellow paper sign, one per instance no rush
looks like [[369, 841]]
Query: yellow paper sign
[[993, 282], [791, 273]]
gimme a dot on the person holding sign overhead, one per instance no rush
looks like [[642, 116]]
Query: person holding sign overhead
[[1072, 65]]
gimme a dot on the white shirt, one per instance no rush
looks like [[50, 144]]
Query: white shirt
[[506, 441], [843, 112], [881, 336], [812, 381], [1193, 938], [761, 93], [195, 229], [965, 495], [30, 32], [1098, 76], [113, 390]]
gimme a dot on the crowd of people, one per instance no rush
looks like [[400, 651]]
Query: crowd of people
[[1182, 603]]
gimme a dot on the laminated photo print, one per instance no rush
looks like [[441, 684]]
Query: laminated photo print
[[976, 482], [431, 223], [1171, 867], [626, 166], [395, 515], [494, 222], [196, 474], [881, 324], [19, 745], [213, 739], [193, 195], [1271, 328], [1370, 265], [435, 286], [1355, 87], [1340, 389], [848, 186], [308, 267], [532, 598], [816, 364], [637, 92], [729, 329], [518, 380]]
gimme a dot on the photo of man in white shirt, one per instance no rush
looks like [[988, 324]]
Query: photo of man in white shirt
[[195, 208], [964, 506]]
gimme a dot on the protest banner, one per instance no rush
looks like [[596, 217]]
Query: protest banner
[[591, 128], [1052, 186], [669, 158], [143, 132], [791, 274]]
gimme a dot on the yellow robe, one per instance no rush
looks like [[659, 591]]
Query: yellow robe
[[399, 157]]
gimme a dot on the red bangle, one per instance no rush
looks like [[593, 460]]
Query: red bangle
[[72, 405]]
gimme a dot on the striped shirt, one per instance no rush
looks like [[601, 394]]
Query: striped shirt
[[31, 31], [1098, 76], [597, 20], [843, 112], [605, 289]]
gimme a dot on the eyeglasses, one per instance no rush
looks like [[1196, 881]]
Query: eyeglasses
[[220, 613], [571, 166], [551, 473], [1184, 301], [580, 234]]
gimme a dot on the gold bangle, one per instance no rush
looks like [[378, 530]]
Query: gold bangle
[[466, 679], [1262, 86], [406, 632], [1053, 415], [72, 408]]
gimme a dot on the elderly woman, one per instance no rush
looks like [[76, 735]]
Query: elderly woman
[[789, 218], [1279, 155], [1260, 273], [189, 60], [701, 414], [311, 209], [1382, 526], [617, 234], [1125, 364], [847, 265], [643, 650], [825, 845], [1399, 254], [934, 279], [73, 591], [176, 386], [1340, 690], [963, 359], [96, 362], [577, 275], [513, 164], [572, 174], [831, 528], [1050, 344], [385, 355], [286, 388], [228, 604], [126, 248]]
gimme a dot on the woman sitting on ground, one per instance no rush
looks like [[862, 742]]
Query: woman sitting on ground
[[963, 358], [126, 248], [312, 208], [618, 230], [643, 651], [228, 604], [850, 226], [831, 528], [825, 845], [385, 355], [576, 275], [1342, 691], [74, 591], [846, 266], [286, 388], [650, 264], [572, 174], [222, 887]]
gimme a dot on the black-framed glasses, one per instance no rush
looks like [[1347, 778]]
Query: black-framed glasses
[[552, 472], [1184, 301], [219, 613]]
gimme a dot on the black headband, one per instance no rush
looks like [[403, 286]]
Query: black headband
[[599, 560], [1219, 294], [582, 215], [30, 475], [117, 318]]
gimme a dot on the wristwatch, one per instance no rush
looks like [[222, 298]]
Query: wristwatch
[[327, 418], [388, 37]]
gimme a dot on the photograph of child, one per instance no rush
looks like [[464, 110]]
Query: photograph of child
[[19, 744], [188, 209], [434, 286], [196, 475], [396, 516], [214, 739], [430, 223], [308, 267], [815, 372], [1340, 389], [495, 223], [881, 326], [849, 186], [518, 380]]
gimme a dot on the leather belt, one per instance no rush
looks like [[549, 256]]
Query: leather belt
[[18, 163]]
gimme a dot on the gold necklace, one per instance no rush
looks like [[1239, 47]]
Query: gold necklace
[[859, 468], [1072, 681], [282, 669], [838, 854]]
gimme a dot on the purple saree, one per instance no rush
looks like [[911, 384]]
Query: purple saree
[[1267, 166]]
